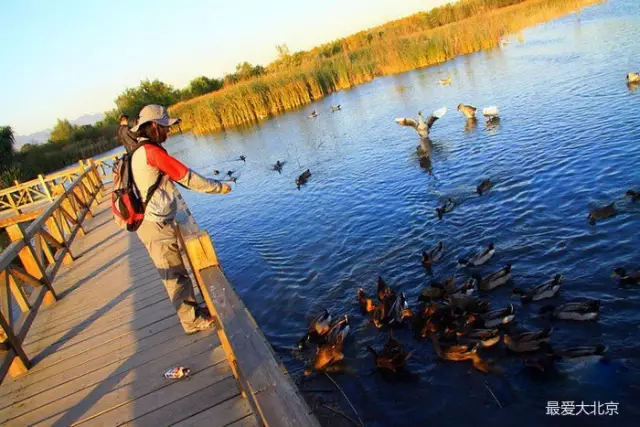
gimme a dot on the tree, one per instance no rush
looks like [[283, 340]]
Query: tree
[[62, 131], [28, 146], [7, 141], [200, 86], [246, 71], [131, 101]]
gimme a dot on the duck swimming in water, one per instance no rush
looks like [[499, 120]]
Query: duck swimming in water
[[635, 196], [602, 213], [318, 329], [216, 172], [366, 303], [574, 310], [575, 354], [278, 166], [420, 125], [459, 353], [546, 290], [633, 78], [493, 318], [486, 337], [494, 280], [335, 108], [332, 351], [468, 111], [302, 179], [446, 208], [478, 259], [484, 186], [527, 341], [392, 357], [313, 114], [243, 158], [491, 113], [433, 256], [625, 278]]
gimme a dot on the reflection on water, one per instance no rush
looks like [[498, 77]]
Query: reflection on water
[[567, 142]]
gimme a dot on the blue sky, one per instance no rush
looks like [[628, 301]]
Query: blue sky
[[66, 58]]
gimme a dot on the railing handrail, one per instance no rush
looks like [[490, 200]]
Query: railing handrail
[[37, 191], [41, 249]]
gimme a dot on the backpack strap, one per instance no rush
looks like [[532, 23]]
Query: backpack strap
[[156, 184]]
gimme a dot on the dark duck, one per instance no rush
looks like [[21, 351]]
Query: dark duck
[[318, 329], [392, 357], [303, 178]]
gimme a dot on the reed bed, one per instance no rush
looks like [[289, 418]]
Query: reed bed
[[414, 42]]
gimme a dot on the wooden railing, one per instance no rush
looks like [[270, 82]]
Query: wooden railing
[[44, 189], [272, 394], [34, 258]]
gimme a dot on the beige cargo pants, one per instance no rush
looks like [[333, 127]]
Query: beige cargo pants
[[161, 242]]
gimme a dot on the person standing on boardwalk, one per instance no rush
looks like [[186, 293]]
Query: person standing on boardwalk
[[125, 136], [153, 169]]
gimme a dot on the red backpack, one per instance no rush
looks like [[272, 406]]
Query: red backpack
[[126, 202]]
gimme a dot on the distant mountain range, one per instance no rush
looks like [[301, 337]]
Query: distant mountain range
[[43, 135]]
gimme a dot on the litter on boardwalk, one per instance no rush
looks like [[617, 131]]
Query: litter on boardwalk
[[177, 373]]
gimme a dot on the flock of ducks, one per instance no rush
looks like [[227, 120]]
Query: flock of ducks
[[456, 321]]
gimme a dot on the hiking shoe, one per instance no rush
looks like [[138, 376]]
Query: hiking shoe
[[200, 324], [202, 311]]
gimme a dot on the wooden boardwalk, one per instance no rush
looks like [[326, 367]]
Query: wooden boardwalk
[[99, 353]]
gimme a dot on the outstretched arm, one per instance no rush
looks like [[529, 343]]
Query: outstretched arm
[[181, 174]]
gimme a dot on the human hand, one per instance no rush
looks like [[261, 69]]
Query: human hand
[[226, 188]]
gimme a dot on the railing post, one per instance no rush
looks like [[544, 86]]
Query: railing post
[[13, 204], [45, 187], [31, 262], [56, 233], [68, 207], [21, 362], [98, 178]]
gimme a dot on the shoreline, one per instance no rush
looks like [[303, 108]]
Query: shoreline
[[267, 96]]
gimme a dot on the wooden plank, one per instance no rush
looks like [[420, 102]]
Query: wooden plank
[[111, 391], [122, 355], [140, 298], [170, 404], [25, 217], [93, 298], [250, 421], [225, 413], [277, 399], [82, 342], [69, 360], [124, 309], [99, 324], [124, 372], [145, 286]]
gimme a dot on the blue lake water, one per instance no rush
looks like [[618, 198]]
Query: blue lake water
[[568, 141]]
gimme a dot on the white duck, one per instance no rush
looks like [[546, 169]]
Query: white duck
[[491, 113]]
